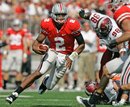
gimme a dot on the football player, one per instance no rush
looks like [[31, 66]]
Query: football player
[[16, 42], [122, 64], [107, 30], [61, 32]]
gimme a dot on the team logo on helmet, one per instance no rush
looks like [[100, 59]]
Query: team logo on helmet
[[104, 27]]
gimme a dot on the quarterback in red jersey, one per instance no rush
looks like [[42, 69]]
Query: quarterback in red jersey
[[61, 32]]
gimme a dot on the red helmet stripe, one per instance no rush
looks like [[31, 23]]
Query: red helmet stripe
[[61, 7]]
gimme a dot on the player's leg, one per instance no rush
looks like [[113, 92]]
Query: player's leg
[[32, 77], [57, 72], [8, 62], [125, 75], [18, 65], [110, 67], [51, 65], [106, 57], [25, 84]]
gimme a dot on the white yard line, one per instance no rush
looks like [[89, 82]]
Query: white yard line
[[22, 96]]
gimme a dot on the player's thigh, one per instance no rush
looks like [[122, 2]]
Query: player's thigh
[[9, 61], [115, 65], [125, 74], [18, 60], [47, 62]]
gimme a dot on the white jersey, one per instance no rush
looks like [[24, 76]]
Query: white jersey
[[113, 34]]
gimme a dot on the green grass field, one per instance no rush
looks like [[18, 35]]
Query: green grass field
[[48, 99]]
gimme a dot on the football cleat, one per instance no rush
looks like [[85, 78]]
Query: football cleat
[[84, 101], [42, 87], [118, 104], [12, 97]]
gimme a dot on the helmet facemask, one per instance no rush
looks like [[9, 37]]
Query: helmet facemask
[[59, 13], [16, 24], [104, 27]]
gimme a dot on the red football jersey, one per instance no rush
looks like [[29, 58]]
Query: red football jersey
[[1, 33], [61, 40], [122, 13], [16, 38]]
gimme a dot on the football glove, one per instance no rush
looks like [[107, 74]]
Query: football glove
[[84, 15], [112, 44]]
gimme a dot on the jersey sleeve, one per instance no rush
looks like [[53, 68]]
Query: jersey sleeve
[[43, 25], [75, 27], [9, 31]]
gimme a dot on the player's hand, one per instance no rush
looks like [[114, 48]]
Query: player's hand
[[68, 62], [82, 13], [43, 48], [112, 44]]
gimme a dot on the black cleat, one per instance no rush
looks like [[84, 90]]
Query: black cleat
[[12, 97], [42, 87], [84, 102], [95, 98]]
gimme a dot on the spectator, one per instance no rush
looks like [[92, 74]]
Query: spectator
[[87, 58]]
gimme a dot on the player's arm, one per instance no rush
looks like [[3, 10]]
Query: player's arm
[[77, 51], [125, 36], [39, 40], [81, 44]]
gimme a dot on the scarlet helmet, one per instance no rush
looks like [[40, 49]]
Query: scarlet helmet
[[90, 87], [59, 13], [104, 26]]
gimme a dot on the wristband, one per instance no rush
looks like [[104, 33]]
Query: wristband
[[122, 50], [24, 55], [73, 55], [5, 52]]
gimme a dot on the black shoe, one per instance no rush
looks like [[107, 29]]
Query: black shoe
[[12, 97], [42, 87], [95, 98], [84, 102]]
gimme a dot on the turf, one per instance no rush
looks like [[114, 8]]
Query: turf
[[48, 99]]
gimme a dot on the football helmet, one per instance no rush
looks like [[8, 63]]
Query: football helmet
[[59, 13], [17, 24], [90, 87], [104, 26]]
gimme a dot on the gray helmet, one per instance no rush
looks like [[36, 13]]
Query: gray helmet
[[59, 10], [17, 24]]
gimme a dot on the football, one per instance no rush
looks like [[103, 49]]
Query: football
[[43, 47]]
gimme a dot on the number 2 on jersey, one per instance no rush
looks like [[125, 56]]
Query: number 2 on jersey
[[60, 44]]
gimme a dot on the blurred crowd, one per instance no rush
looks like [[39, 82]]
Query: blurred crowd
[[31, 12]]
